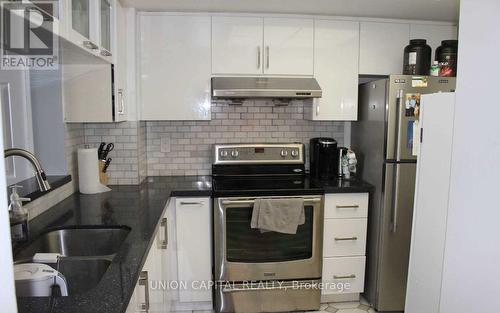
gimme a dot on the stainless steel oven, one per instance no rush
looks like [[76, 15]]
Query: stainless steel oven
[[246, 254], [264, 271], [270, 271]]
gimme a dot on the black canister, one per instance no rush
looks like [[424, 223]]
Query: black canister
[[447, 56], [417, 58]]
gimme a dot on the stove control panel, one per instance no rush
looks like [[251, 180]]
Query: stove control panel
[[287, 153]]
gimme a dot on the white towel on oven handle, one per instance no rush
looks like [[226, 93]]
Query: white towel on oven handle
[[278, 215]]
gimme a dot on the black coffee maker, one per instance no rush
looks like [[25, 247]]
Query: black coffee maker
[[323, 158]]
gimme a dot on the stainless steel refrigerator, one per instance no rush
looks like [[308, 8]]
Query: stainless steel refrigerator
[[383, 141]]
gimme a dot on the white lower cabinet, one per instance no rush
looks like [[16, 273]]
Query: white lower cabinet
[[344, 246], [194, 248], [149, 295], [344, 237], [179, 263], [346, 275], [346, 205]]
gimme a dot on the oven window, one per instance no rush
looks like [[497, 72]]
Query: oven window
[[244, 244]]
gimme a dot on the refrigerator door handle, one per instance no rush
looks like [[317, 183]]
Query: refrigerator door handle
[[399, 109], [395, 200]]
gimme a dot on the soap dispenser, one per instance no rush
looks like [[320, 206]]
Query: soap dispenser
[[18, 216]]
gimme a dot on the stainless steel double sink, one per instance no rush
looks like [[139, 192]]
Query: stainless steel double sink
[[86, 251]]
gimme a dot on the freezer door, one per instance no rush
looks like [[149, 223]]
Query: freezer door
[[404, 108], [396, 236]]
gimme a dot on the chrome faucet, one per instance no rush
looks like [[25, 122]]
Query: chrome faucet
[[41, 178]]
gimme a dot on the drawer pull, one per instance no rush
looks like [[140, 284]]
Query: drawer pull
[[346, 238], [347, 206], [352, 276], [191, 203]]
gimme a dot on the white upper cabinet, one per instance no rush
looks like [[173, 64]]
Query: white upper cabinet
[[336, 55], [90, 24], [175, 67], [237, 45], [82, 24], [434, 34], [119, 41], [108, 100], [288, 46], [105, 23], [382, 47], [256, 46]]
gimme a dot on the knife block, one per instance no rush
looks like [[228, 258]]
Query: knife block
[[103, 177]]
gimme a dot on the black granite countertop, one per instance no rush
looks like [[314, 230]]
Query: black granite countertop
[[140, 208], [342, 185], [29, 187]]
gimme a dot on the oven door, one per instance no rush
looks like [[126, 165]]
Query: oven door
[[245, 254]]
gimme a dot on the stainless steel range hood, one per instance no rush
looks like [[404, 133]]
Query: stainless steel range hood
[[264, 87]]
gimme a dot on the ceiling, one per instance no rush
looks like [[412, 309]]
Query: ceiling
[[436, 10]]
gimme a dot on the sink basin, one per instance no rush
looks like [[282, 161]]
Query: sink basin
[[81, 275], [72, 242], [87, 253]]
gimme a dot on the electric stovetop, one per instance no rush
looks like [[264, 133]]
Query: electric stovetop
[[256, 186]]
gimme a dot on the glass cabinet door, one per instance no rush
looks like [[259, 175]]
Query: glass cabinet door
[[80, 17], [105, 15]]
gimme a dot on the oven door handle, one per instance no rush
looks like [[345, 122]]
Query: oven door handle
[[251, 202]]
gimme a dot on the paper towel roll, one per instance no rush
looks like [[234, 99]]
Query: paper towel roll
[[88, 172]]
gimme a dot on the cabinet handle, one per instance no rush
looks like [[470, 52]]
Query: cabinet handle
[[121, 107], [90, 45], [352, 276], [105, 53], [191, 203], [267, 57], [258, 57], [164, 242], [346, 238], [143, 281], [347, 206]]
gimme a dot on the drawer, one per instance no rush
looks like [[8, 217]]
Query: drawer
[[346, 205], [198, 202], [344, 237], [343, 275]]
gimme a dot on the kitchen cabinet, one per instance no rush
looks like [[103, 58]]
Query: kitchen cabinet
[[81, 22], [175, 67], [90, 25], [336, 64], [382, 47], [119, 40], [149, 296], [255, 46], [105, 23], [344, 246], [237, 45], [434, 34], [288, 46], [108, 100], [194, 247], [182, 252]]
